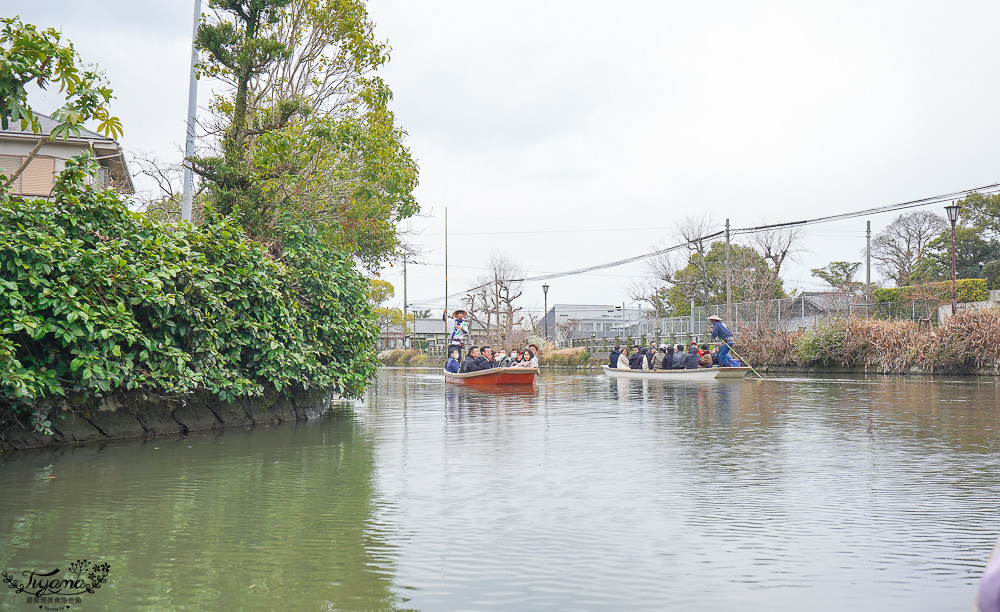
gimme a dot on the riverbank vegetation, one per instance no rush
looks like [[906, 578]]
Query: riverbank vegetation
[[303, 179], [99, 299]]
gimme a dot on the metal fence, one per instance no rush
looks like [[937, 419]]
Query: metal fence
[[786, 314]]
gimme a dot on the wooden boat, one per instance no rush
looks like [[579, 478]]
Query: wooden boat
[[495, 377], [678, 375]]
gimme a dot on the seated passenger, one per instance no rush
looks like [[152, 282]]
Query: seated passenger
[[706, 357], [668, 357], [615, 352], [657, 361], [693, 358], [503, 361], [452, 365], [484, 361], [470, 360], [530, 359], [623, 360], [680, 358]]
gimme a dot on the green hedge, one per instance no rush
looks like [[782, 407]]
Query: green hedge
[[968, 290], [95, 298]]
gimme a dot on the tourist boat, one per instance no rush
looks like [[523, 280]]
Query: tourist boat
[[678, 375], [495, 377]]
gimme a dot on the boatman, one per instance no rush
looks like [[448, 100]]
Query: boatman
[[725, 335], [457, 328]]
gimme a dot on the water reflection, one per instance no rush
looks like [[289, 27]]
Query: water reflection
[[585, 493], [277, 518]]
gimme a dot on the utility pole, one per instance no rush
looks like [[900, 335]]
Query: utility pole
[[406, 334], [868, 265], [192, 117], [729, 277]]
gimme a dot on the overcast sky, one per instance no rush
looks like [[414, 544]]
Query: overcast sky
[[598, 126]]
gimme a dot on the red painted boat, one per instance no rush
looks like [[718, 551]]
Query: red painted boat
[[495, 377]]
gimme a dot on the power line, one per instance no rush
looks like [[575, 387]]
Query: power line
[[994, 188]]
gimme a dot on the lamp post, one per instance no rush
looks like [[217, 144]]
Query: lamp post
[[658, 330], [545, 292], [953, 217]]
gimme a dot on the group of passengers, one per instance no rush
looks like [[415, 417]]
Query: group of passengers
[[483, 358], [667, 357], [676, 357]]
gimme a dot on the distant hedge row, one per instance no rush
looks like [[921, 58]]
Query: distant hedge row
[[95, 298], [967, 289]]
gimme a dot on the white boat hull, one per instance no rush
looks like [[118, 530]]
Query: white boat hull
[[678, 375]]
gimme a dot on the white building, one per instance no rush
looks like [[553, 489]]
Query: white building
[[567, 322]]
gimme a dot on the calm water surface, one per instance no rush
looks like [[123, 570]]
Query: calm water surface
[[784, 494]]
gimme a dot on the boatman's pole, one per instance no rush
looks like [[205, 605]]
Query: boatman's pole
[[192, 117], [446, 330]]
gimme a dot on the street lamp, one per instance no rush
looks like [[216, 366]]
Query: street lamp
[[953, 217], [545, 291]]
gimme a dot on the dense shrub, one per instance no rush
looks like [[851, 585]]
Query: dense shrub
[[768, 347], [95, 298], [967, 290]]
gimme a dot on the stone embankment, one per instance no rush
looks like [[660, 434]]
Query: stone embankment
[[138, 414]]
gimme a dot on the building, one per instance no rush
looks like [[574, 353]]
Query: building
[[38, 178], [429, 333], [567, 322]]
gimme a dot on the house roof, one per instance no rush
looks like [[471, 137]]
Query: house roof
[[106, 150], [47, 125]]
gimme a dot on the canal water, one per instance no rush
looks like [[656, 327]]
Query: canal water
[[789, 493]]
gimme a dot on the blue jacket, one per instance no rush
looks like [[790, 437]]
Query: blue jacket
[[720, 331], [452, 365], [614, 358]]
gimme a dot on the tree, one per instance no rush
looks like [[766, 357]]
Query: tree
[[840, 276], [972, 252], [901, 246], [40, 57], [491, 301], [991, 272], [703, 280], [777, 246], [306, 135], [982, 211], [379, 291]]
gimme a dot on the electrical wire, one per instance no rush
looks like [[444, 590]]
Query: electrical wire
[[987, 189]]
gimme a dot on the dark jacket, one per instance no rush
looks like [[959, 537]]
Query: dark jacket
[[722, 332], [452, 365], [693, 359], [680, 360], [480, 364], [467, 365], [614, 358], [636, 363], [668, 358]]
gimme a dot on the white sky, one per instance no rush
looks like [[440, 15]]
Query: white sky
[[604, 124]]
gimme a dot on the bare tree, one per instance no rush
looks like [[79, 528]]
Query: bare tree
[[492, 301], [777, 246], [692, 232], [902, 244]]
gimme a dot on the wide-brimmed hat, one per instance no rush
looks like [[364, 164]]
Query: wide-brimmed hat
[[457, 312], [715, 318]]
